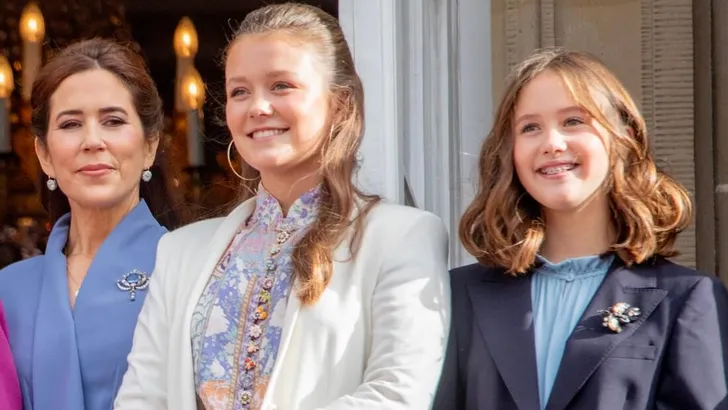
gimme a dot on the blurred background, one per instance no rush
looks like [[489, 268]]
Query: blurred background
[[182, 42]]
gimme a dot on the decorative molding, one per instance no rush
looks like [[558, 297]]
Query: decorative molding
[[719, 105], [667, 96], [547, 23]]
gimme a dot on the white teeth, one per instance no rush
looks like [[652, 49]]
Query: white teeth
[[267, 133], [557, 169]]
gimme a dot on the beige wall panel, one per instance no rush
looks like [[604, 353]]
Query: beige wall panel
[[647, 43], [610, 30], [667, 86], [516, 33]]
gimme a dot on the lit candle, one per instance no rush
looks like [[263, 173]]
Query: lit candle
[[185, 47], [6, 89], [193, 97], [32, 31]]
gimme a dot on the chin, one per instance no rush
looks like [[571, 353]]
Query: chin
[[561, 204], [101, 199]]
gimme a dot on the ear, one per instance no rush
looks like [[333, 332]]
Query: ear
[[150, 151], [41, 151]]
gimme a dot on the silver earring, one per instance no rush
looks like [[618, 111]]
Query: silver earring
[[51, 184], [146, 175]]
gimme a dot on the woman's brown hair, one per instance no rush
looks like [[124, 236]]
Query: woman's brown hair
[[504, 226], [130, 68], [341, 203]]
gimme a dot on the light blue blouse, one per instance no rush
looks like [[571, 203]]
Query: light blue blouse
[[560, 292]]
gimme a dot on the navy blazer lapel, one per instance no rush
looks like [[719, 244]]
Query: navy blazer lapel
[[57, 378], [590, 342], [503, 312]]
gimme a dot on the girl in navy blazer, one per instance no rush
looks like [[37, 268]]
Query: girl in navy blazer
[[572, 304]]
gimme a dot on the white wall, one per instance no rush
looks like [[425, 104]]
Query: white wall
[[427, 73]]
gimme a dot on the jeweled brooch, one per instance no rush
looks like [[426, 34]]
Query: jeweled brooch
[[132, 282], [619, 314]]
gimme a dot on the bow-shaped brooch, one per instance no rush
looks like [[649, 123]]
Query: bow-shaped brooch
[[619, 314], [132, 282]]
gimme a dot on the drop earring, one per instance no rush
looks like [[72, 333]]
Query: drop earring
[[146, 175], [51, 184]]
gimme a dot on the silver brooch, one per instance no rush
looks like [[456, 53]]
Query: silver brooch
[[619, 314], [132, 282]]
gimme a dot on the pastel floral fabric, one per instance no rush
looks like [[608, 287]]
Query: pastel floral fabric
[[238, 322]]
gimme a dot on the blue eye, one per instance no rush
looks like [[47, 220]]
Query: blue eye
[[237, 92], [573, 121], [281, 86], [528, 128]]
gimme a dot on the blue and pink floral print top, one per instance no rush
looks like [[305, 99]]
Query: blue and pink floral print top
[[238, 322]]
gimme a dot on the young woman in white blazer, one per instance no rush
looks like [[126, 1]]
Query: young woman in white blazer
[[310, 295]]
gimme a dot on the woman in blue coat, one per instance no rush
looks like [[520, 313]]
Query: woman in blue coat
[[97, 118]]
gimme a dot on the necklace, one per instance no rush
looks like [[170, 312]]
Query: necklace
[[74, 282]]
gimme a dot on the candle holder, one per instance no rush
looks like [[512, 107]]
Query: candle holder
[[186, 45]]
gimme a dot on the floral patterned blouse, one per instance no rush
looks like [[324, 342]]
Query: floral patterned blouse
[[237, 324]]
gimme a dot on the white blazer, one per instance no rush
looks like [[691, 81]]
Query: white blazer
[[375, 340]]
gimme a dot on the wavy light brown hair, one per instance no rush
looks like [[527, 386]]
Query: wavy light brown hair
[[504, 225], [342, 204]]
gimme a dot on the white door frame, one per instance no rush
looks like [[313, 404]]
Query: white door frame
[[427, 73]]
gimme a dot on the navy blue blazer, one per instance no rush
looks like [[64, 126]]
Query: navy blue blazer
[[74, 359], [675, 356]]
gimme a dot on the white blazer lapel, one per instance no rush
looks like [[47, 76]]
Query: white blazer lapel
[[341, 253], [292, 309], [218, 245]]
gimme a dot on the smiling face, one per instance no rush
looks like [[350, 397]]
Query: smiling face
[[277, 104], [560, 153], [95, 146]]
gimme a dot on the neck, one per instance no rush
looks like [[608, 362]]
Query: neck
[[584, 232], [287, 189], [90, 227]]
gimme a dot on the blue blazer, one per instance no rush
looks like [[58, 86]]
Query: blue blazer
[[675, 356], [74, 359]]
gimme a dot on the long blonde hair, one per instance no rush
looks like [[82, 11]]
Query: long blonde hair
[[342, 203], [503, 225]]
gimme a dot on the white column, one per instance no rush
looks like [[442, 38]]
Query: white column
[[427, 73], [371, 30], [475, 97]]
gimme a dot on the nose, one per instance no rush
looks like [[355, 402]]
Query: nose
[[260, 107], [555, 142], [92, 137]]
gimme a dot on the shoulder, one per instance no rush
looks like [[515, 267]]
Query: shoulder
[[678, 279], [191, 236], [26, 267], [389, 218], [397, 232], [476, 273], [397, 235], [15, 278]]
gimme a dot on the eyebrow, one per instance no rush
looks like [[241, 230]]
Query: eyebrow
[[269, 74], [561, 111], [103, 111]]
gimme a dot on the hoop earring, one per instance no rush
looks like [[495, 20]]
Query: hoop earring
[[230, 162]]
